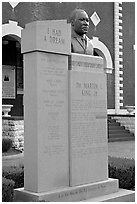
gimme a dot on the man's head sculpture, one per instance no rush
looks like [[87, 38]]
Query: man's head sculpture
[[79, 21]]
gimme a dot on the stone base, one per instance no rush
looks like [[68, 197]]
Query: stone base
[[96, 192], [70, 194], [121, 196]]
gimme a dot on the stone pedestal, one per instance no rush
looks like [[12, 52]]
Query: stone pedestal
[[46, 49]]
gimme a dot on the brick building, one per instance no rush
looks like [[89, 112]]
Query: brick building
[[113, 38]]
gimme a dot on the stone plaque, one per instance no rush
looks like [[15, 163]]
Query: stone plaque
[[86, 63], [50, 36], [88, 127], [46, 121]]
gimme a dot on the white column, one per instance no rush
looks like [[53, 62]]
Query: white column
[[118, 56]]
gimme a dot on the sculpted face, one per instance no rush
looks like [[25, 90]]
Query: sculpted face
[[81, 23]]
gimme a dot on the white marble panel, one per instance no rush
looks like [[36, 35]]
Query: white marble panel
[[50, 36], [88, 127], [46, 121]]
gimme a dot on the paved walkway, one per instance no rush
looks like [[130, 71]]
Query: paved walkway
[[122, 149]]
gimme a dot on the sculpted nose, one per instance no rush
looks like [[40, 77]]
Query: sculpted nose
[[86, 22]]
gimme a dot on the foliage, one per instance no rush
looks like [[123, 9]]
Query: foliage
[[7, 190], [16, 173], [119, 168], [6, 144], [124, 170]]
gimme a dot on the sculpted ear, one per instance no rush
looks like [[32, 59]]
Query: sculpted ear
[[72, 22]]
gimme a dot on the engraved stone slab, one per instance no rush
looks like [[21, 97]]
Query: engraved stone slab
[[88, 127], [86, 63], [46, 121], [50, 36]]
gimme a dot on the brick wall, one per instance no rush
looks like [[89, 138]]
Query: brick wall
[[14, 128]]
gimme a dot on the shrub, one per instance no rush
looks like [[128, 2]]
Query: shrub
[[6, 144], [119, 168], [116, 161], [124, 171], [7, 190], [16, 173]]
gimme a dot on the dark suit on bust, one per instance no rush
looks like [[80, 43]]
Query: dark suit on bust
[[81, 45]]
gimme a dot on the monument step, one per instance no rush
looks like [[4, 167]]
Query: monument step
[[69, 194], [116, 127], [119, 131], [113, 124], [121, 135], [117, 139], [121, 196], [110, 119]]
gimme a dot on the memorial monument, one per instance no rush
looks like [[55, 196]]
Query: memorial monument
[[66, 147]]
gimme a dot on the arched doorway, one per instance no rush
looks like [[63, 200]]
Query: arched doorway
[[12, 72], [12, 57], [100, 49]]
